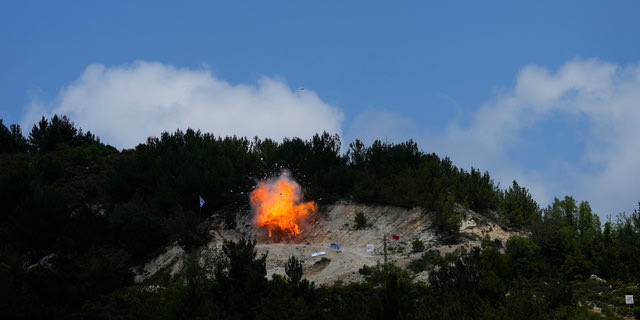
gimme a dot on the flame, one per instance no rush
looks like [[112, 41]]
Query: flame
[[278, 205]]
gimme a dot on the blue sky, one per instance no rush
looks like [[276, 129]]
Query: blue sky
[[463, 79]]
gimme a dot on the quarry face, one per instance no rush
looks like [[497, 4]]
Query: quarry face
[[334, 224], [327, 240]]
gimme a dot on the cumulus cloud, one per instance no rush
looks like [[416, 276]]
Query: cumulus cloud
[[605, 95], [600, 99], [124, 105]]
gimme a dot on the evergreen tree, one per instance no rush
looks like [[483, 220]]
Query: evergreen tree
[[11, 139], [46, 135], [293, 269], [517, 206]]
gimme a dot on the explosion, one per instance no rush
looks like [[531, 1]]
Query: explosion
[[278, 205]]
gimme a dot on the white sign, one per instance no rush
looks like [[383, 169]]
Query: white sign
[[321, 253], [369, 248], [629, 298]]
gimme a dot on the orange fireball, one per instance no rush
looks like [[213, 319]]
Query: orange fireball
[[278, 205]]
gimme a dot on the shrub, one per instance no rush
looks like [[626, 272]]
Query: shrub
[[366, 270], [425, 262], [417, 246], [360, 220]]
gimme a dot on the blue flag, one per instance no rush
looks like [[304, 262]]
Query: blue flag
[[201, 202]]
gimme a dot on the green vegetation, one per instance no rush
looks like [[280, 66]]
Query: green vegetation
[[417, 245], [293, 269], [76, 215], [360, 220], [517, 207]]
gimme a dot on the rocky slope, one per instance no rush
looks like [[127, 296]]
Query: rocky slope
[[335, 224]]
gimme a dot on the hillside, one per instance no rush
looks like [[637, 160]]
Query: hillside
[[335, 224], [89, 231]]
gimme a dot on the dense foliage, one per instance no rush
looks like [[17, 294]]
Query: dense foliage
[[76, 215]]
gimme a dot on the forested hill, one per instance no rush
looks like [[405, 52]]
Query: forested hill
[[77, 214]]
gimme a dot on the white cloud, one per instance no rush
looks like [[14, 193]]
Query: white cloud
[[605, 94], [124, 105], [603, 97]]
